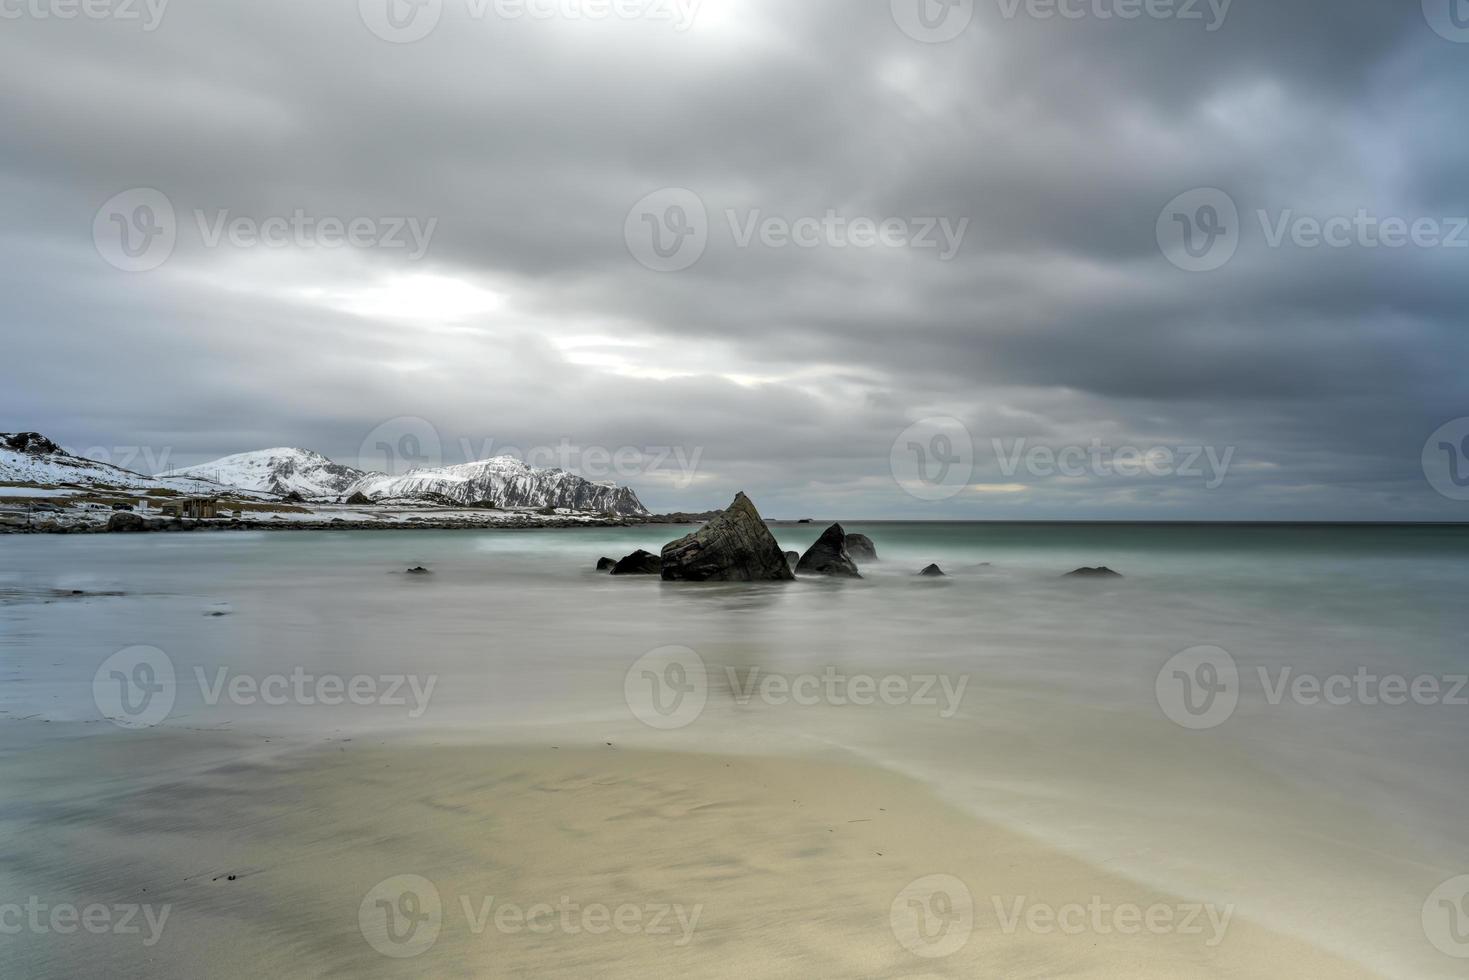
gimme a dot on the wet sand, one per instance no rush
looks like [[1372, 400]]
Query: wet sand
[[568, 862]]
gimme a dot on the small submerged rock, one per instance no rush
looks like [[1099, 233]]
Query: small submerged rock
[[639, 563], [419, 570], [861, 548], [1102, 572], [606, 564], [829, 556], [933, 571]]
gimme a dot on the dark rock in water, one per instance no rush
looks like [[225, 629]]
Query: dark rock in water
[[805, 520], [861, 548], [1102, 572], [933, 571], [606, 565], [828, 556], [793, 558], [639, 563], [126, 520], [420, 570], [359, 499], [734, 546]]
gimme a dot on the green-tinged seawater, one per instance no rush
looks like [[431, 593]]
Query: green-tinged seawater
[[1050, 704]]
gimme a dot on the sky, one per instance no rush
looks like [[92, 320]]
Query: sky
[[959, 259]]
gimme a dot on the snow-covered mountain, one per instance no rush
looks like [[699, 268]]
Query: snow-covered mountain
[[506, 482], [278, 471], [30, 459]]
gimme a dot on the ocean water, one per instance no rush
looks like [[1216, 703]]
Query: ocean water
[[1044, 703]]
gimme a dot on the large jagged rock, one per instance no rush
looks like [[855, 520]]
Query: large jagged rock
[[734, 546], [861, 548], [829, 556], [638, 563]]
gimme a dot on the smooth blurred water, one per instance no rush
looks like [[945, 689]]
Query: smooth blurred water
[[1334, 822]]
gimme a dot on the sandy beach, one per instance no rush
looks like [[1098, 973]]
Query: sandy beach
[[373, 858]]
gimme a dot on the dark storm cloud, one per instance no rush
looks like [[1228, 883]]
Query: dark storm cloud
[[791, 370]]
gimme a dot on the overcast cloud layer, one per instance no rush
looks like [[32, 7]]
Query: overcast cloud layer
[[1046, 148]]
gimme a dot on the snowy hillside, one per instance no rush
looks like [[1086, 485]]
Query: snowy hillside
[[506, 482], [31, 459], [278, 471]]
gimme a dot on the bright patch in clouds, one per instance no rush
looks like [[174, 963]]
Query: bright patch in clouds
[[422, 297]]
